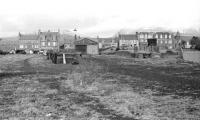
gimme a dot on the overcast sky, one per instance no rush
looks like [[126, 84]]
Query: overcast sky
[[97, 17]]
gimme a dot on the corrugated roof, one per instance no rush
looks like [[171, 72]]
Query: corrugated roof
[[85, 41], [128, 37]]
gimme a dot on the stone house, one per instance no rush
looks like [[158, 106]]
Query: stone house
[[128, 41], [28, 42], [49, 40]]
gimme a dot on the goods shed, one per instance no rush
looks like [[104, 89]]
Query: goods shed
[[87, 46]]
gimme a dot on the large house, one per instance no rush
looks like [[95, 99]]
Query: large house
[[49, 40], [143, 39], [107, 42], [41, 41], [164, 40], [128, 41], [28, 42]]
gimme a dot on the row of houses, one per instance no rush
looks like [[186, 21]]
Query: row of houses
[[41, 41], [52, 41], [140, 40]]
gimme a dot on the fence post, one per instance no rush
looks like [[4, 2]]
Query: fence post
[[64, 60]]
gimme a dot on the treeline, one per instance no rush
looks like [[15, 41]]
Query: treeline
[[195, 43]]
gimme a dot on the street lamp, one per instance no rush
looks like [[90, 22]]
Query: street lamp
[[75, 36]]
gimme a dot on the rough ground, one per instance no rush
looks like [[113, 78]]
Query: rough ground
[[99, 88]]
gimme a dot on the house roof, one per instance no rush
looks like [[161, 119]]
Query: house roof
[[186, 37], [28, 37], [105, 40], [128, 37], [85, 41]]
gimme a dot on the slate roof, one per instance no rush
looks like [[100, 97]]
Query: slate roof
[[86, 41], [105, 40], [128, 37], [186, 37], [28, 37]]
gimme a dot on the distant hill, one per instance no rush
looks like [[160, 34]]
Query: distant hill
[[9, 43]]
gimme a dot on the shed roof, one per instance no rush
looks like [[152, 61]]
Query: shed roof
[[86, 41]]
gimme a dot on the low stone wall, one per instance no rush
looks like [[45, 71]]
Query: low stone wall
[[193, 56]]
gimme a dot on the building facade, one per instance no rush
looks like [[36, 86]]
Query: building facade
[[28, 42], [49, 40], [107, 42], [143, 39], [128, 41], [164, 40]]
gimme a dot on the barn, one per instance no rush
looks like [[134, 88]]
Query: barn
[[87, 46]]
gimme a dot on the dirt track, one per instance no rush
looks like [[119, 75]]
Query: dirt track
[[98, 88]]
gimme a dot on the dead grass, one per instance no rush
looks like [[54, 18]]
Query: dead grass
[[87, 92]]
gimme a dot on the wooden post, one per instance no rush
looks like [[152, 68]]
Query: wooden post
[[64, 60]]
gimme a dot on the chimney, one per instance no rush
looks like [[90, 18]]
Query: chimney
[[39, 31]]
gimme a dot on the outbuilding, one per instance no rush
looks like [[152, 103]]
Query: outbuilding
[[87, 46]]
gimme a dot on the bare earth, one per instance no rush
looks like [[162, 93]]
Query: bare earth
[[99, 88]]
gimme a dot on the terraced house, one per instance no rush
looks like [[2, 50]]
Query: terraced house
[[143, 39], [49, 40], [128, 41], [164, 40], [28, 42]]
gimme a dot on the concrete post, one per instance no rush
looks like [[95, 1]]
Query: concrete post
[[64, 60]]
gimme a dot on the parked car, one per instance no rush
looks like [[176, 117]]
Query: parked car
[[3, 52], [20, 52]]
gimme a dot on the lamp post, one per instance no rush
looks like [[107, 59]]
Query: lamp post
[[75, 36]]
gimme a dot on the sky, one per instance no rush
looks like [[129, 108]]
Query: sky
[[97, 17]]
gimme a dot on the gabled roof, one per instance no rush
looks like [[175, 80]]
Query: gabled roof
[[49, 33], [105, 40], [186, 37], [28, 37], [128, 37], [85, 41]]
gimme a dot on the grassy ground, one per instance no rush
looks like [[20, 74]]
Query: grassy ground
[[99, 88]]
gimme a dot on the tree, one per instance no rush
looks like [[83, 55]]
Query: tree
[[195, 42], [183, 43]]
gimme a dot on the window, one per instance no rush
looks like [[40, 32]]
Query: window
[[161, 36], [170, 41], [21, 46], [43, 43], [166, 36], [54, 43], [166, 42], [161, 41], [170, 36], [141, 36], [156, 36], [145, 35], [49, 44]]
